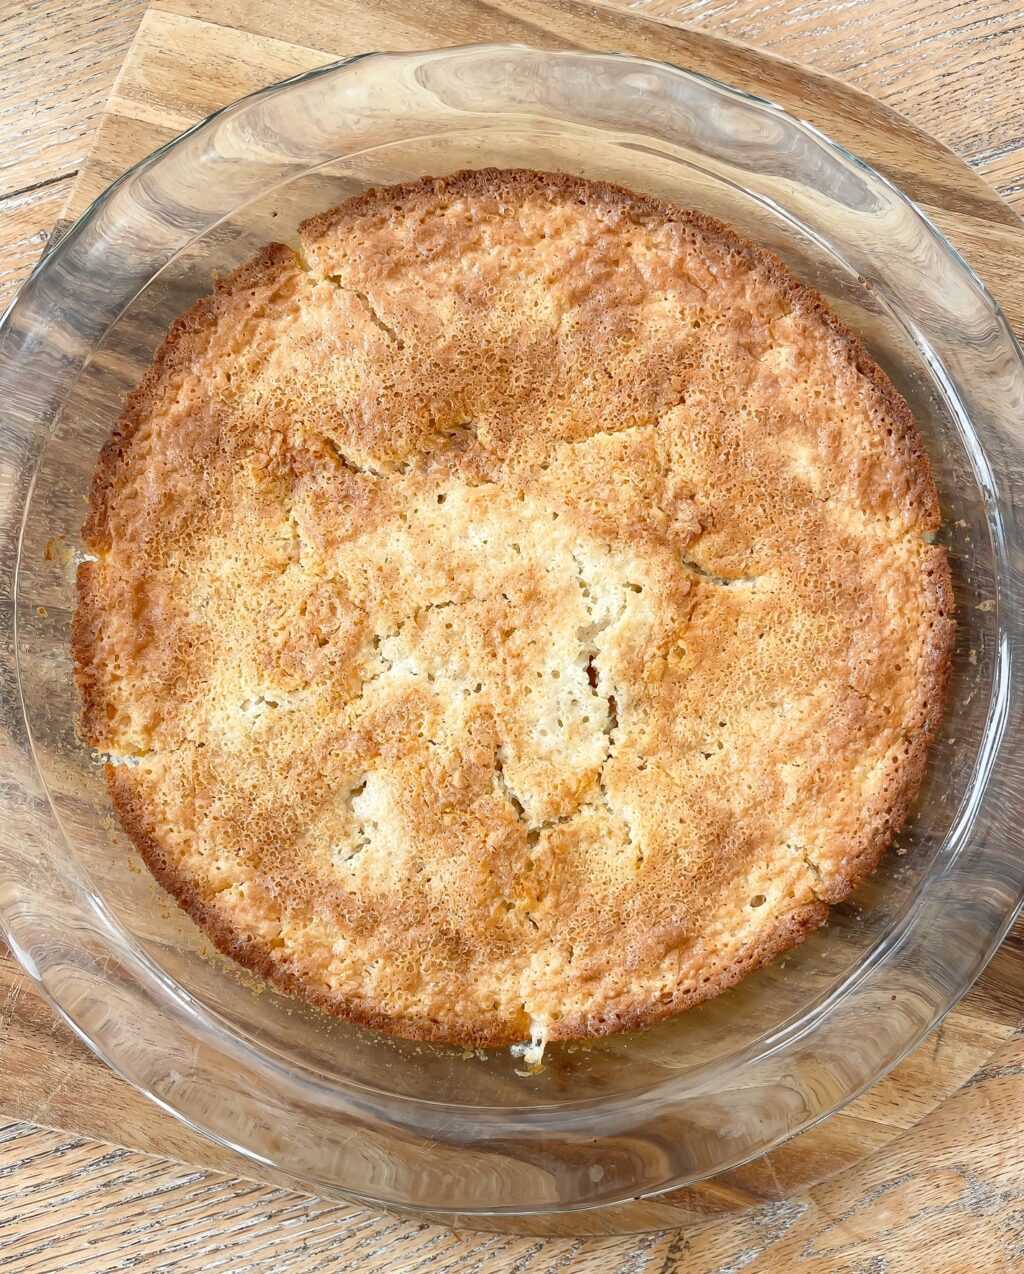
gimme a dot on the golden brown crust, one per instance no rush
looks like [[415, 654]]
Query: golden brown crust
[[522, 615], [519, 182], [259, 957]]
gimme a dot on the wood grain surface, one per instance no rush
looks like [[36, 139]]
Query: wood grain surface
[[57, 67], [947, 1198], [947, 1176]]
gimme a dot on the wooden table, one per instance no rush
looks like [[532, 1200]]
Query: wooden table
[[946, 1195]]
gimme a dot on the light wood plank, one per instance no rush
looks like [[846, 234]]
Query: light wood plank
[[57, 64], [25, 224], [952, 66], [84, 1208]]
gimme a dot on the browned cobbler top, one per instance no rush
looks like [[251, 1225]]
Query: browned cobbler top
[[519, 613]]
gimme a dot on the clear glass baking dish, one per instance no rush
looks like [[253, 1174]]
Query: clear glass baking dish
[[342, 1111]]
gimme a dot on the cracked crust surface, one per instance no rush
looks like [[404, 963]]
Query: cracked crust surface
[[517, 613]]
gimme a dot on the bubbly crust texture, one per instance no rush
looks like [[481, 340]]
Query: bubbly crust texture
[[515, 613]]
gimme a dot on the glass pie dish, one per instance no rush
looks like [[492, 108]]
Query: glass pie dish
[[345, 1112]]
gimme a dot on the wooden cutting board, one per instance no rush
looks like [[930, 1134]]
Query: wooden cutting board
[[192, 56]]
